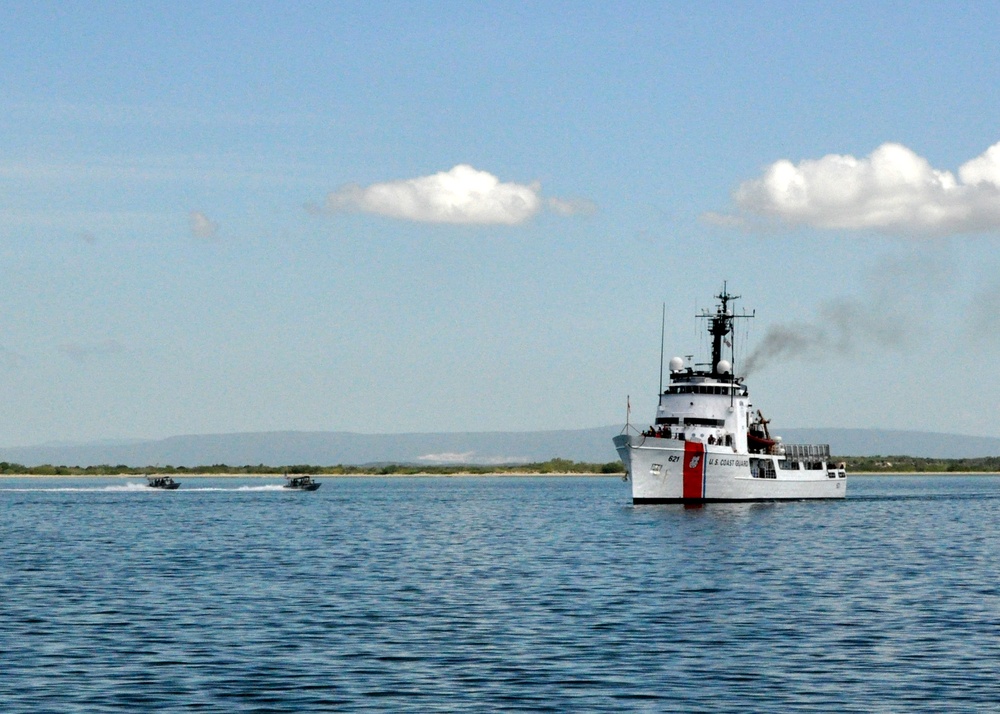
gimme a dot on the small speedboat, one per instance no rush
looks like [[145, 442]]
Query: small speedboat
[[301, 483], [164, 482]]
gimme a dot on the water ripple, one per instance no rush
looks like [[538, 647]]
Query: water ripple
[[497, 594]]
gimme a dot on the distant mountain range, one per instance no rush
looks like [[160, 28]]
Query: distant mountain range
[[284, 448]]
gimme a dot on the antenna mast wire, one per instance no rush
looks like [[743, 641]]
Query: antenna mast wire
[[663, 327]]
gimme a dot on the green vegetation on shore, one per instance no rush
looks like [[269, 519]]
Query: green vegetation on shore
[[552, 466], [856, 464], [916, 464]]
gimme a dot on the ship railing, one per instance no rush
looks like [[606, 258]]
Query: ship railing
[[818, 452]]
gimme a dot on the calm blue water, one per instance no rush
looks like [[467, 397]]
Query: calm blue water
[[496, 594]]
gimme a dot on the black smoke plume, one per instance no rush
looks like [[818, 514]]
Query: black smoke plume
[[899, 292]]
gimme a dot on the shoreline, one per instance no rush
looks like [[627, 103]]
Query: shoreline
[[923, 473], [458, 474], [178, 477]]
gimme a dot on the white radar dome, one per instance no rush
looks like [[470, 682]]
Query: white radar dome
[[724, 367], [676, 364]]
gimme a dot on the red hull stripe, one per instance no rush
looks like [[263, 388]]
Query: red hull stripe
[[694, 469]]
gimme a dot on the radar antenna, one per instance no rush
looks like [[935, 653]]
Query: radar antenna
[[720, 325]]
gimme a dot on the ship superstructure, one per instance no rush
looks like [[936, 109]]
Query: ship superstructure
[[709, 443]]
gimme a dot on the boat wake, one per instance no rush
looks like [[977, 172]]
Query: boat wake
[[267, 487], [123, 488], [140, 488]]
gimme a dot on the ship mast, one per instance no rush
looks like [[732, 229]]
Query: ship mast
[[719, 326]]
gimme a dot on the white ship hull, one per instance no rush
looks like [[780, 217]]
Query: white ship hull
[[681, 471], [707, 443]]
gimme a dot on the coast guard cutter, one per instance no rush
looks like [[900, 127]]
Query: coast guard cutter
[[709, 443]]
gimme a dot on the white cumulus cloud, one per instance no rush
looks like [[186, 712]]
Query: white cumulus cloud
[[571, 206], [463, 195], [892, 191], [983, 169], [202, 226]]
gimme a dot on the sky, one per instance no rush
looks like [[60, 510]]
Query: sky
[[446, 216]]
